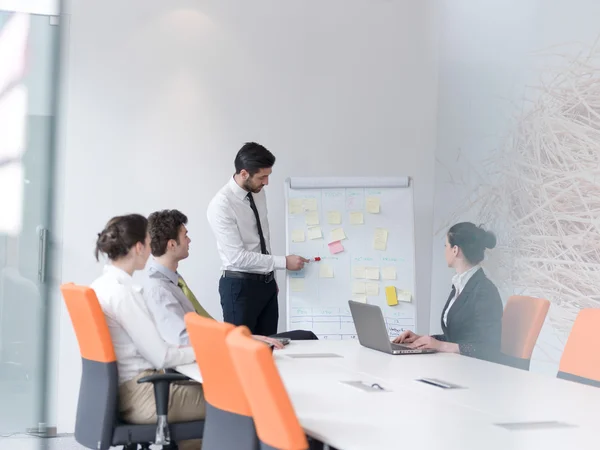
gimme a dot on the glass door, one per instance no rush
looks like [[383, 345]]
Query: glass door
[[28, 80]]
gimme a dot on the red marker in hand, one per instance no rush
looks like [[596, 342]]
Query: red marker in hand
[[317, 258]]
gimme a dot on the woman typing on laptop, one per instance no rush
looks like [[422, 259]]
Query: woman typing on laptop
[[472, 318]]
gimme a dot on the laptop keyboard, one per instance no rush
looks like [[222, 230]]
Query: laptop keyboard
[[401, 347]]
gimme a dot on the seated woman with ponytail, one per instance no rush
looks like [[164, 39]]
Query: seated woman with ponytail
[[472, 318]]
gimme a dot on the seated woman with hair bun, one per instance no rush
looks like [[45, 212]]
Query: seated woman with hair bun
[[139, 348], [472, 318]]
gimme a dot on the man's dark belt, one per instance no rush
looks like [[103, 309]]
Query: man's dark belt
[[250, 276]]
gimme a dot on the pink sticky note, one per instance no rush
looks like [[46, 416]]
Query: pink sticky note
[[336, 247]]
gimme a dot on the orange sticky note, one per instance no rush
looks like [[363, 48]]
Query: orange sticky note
[[390, 295]]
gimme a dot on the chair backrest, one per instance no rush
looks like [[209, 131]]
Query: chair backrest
[[97, 407], [276, 422], [522, 322], [580, 360], [229, 424]]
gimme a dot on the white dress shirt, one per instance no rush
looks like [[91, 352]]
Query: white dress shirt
[[234, 225], [137, 343], [459, 281]]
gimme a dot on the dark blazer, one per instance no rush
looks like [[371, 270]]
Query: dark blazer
[[475, 319]]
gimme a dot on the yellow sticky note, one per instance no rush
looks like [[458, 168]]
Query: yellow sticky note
[[372, 289], [390, 295], [312, 218], [359, 288], [325, 271], [404, 296], [372, 273], [337, 234], [334, 218], [381, 238], [298, 236], [309, 204], [297, 284], [388, 273], [315, 233], [357, 218], [359, 272], [360, 298], [373, 205], [295, 206]]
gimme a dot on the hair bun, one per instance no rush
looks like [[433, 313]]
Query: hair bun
[[488, 238]]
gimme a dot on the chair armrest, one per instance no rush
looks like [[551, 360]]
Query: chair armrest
[[162, 383], [169, 377]]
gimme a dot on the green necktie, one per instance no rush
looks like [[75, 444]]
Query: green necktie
[[192, 298]]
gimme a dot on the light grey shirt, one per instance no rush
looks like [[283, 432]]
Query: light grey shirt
[[166, 302]]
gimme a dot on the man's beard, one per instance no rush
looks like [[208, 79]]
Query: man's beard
[[250, 188]]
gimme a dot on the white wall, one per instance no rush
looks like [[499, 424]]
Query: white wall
[[162, 94], [494, 56]]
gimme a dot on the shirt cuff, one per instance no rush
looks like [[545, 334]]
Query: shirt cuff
[[188, 355], [280, 262]]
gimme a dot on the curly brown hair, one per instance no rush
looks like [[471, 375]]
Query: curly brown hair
[[163, 226]]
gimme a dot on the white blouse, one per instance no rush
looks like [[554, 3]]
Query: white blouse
[[137, 343]]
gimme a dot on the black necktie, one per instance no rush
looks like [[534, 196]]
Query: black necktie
[[263, 245]]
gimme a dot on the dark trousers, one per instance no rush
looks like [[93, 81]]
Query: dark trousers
[[250, 302], [254, 304]]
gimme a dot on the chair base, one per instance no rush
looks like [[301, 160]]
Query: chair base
[[146, 446], [126, 434]]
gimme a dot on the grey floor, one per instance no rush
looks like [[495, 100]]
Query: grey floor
[[20, 442]]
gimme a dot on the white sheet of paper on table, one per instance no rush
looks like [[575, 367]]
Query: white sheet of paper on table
[[372, 273], [388, 273], [315, 233], [298, 236], [372, 289], [297, 284], [359, 287], [359, 272], [334, 218], [312, 218], [357, 218], [325, 271]]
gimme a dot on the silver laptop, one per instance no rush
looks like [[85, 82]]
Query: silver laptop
[[372, 333]]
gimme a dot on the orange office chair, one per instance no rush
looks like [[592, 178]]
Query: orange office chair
[[580, 360], [97, 424], [228, 424], [522, 322], [276, 422]]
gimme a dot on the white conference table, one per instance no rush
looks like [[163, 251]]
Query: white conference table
[[420, 416]]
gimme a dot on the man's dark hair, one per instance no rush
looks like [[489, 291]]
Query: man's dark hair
[[252, 157], [163, 226]]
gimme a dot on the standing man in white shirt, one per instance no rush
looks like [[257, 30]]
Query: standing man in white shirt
[[238, 218]]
